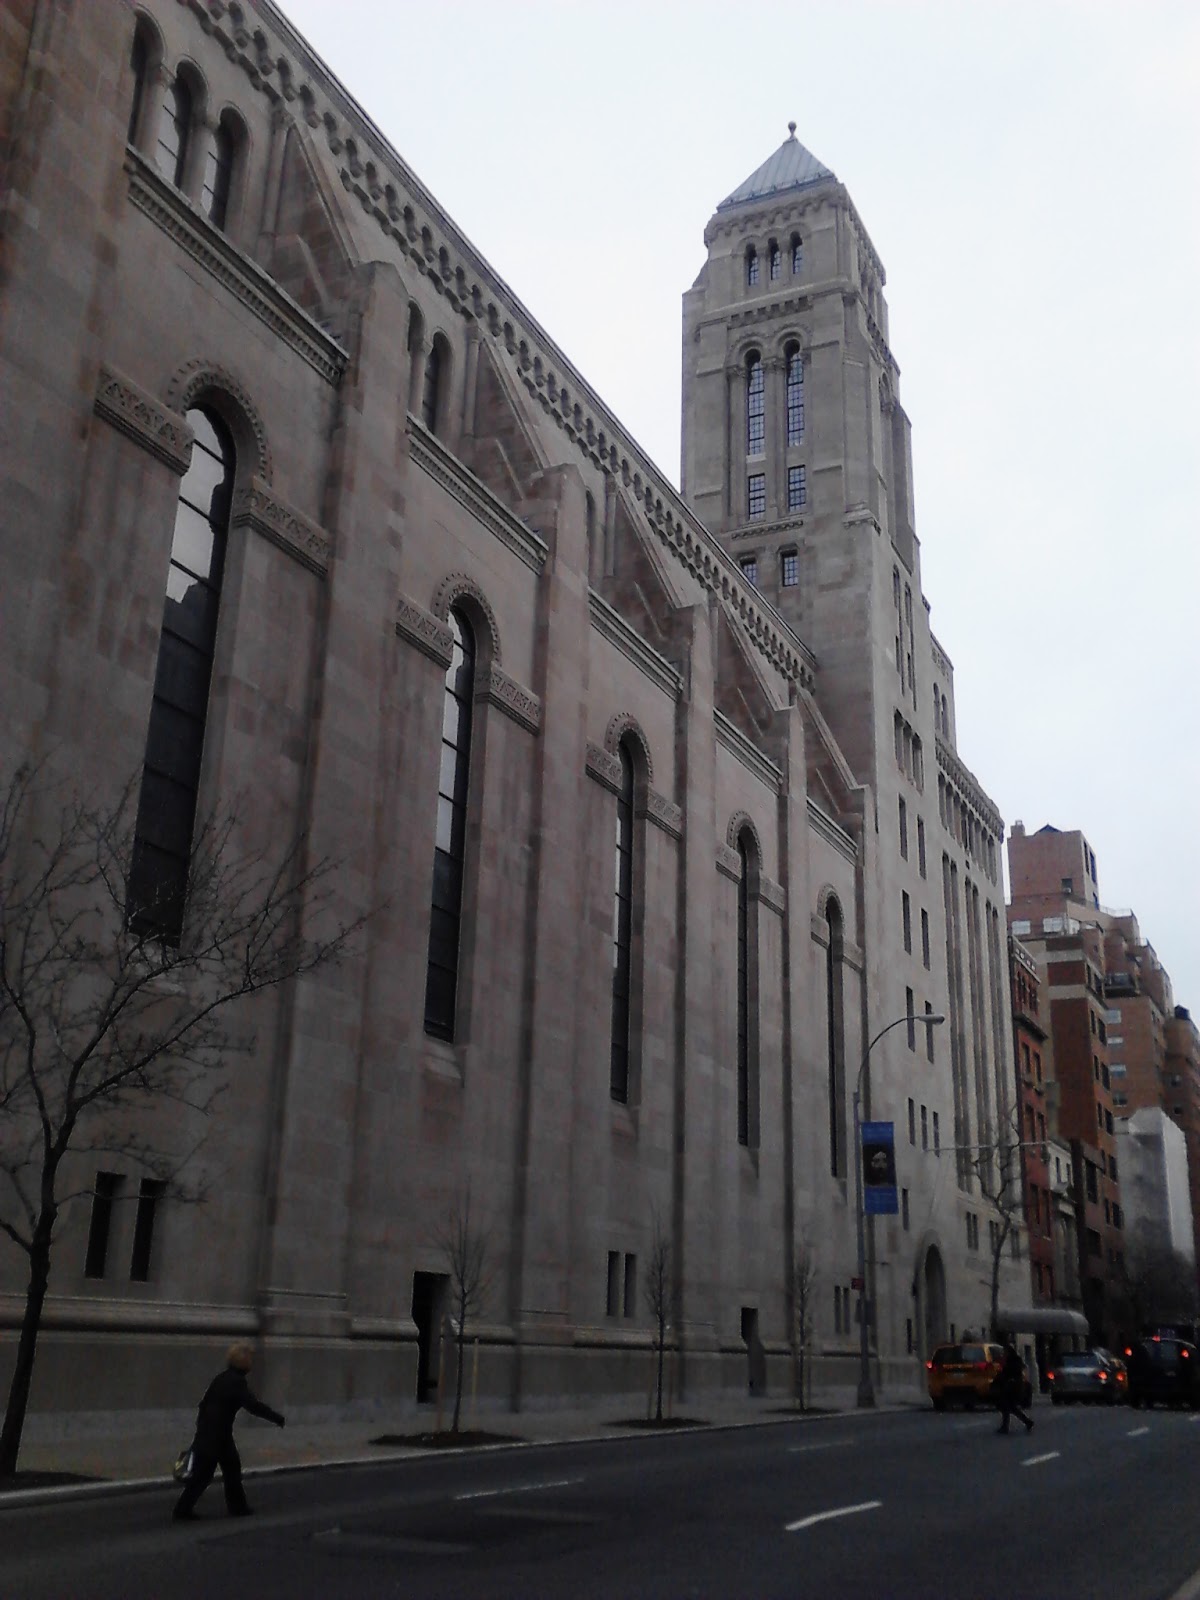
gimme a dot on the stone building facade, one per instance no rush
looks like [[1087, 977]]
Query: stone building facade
[[650, 848]]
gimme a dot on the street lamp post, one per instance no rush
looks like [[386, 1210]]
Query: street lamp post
[[866, 1389]]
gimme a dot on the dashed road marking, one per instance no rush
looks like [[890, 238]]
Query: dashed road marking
[[519, 1488], [828, 1516], [827, 1444], [1136, 1433], [1036, 1461]]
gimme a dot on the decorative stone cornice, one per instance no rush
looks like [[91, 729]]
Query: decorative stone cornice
[[965, 780], [496, 688], [420, 628], [256, 506], [144, 419], [772, 894], [729, 863], [832, 832], [243, 278], [604, 768], [751, 757], [656, 808], [613, 627], [433, 458]]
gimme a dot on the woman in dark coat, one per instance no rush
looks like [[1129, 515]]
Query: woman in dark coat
[[213, 1445]]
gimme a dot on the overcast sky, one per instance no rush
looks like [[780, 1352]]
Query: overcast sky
[[1030, 176]]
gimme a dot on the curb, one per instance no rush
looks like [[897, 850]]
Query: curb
[[97, 1489]]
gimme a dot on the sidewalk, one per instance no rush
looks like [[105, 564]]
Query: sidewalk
[[114, 1454]]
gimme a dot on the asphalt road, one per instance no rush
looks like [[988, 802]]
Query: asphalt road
[[1094, 1502]]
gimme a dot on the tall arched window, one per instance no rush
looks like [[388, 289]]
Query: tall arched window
[[795, 395], [218, 173], [751, 266], [743, 995], [622, 943], [171, 777], [174, 129], [797, 256], [835, 1024], [432, 386], [755, 405], [774, 261], [139, 61], [441, 978]]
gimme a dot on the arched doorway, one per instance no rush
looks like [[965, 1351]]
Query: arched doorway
[[933, 1301]]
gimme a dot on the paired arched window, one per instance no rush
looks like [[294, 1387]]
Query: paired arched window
[[171, 777], [174, 132], [835, 1024], [756, 396], [774, 261], [751, 267], [139, 62], [441, 978], [797, 256], [794, 362], [622, 940], [217, 183], [437, 367]]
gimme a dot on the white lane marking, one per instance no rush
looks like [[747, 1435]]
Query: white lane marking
[[1136, 1433], [519, 1488], [1036, 1461], [827, 1516], [1195, 1417], [828, 1444]]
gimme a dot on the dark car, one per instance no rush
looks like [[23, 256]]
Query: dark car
[[1166, 1370], [1084, 1375]]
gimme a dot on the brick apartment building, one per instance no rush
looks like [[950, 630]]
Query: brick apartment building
[[1034, 1090]]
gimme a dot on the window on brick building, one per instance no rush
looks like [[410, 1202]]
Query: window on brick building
[[903, 828], [775, 261], [789, 569], [756, 496], [925, 956], [756, 402], [219, 163], [437, 364], [797, 484], [794, 367], [104, 1196], [797, 256], [906, 919], [150, 1194], [174, 132], [749, 566], [751, 266]]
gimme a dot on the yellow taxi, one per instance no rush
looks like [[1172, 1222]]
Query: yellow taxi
[[963, 1374]]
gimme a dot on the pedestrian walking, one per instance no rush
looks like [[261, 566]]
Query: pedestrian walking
[[1011, 1383], [213, 1446]]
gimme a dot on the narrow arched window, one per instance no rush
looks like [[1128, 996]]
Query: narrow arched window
[[774, 261], [751, 266], [166, 816], [218, 174], [139, 61], [431, 388], [795, 395], [174, 128], [834, 1022], [622, 942], [743, 995], [755, 406], [441, 978], [797, 256]]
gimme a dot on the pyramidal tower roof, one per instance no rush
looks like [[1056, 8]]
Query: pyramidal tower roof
[[789, 167]]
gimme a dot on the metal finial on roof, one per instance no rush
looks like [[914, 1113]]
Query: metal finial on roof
[[791, 130]]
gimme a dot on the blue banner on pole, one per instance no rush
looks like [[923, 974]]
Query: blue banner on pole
[[879, 1169]]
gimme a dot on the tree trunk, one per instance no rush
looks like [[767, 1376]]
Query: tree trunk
[[458, 1376], [22, 1378], [661, 1341]]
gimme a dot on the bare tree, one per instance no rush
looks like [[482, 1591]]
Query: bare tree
[[107, 1020], [658, 1297], [998, 1169], [805, 1278], [465, 1246]]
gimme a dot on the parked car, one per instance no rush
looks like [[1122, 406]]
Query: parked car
[[1163, 1369], [1084, 1375], [963, 1375], [1120, 1372]]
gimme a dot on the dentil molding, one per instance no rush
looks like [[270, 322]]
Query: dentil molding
[[144, 419]]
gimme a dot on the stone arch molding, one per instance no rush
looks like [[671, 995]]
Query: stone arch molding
[[197, 378], [457, 586], [626, 724], [828, 893], [739, 822]]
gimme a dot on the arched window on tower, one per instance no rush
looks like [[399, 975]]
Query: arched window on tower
[[751, 266], [795, 394], [835, 1024], [166, 815], [622, 939], [174, 132], [775, 261], [797, 256], [218, 173], [432, 388], [139, 61], [441, 976], [755, 405]]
